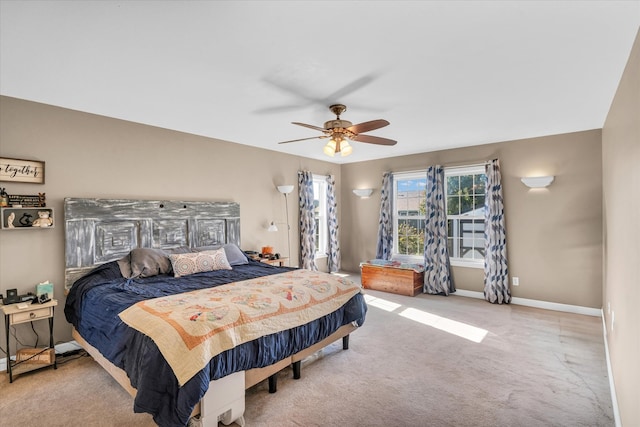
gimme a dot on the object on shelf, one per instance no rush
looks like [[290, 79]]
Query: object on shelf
[[28, 200], [43, 356], [42, 289], [44, 220], [4, 198]]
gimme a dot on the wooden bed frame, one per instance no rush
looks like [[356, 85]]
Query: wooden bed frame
[[102, 230], [251, 377]]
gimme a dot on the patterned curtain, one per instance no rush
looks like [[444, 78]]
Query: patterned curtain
[[332, 219], [307, 221], [437, 276], [385, 226], [496, 275]]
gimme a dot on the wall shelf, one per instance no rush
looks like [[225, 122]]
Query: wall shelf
[[24, 217]]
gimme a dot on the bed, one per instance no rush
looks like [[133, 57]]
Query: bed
[[123, 259]]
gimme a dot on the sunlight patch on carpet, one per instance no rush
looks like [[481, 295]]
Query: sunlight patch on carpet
[[454, 327], [381, 303]]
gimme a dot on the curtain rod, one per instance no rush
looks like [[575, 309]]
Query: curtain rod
[[450, 165]]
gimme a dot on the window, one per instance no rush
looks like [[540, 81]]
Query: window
[[320, 209], [464, 204], [465, 193], [409, 214]]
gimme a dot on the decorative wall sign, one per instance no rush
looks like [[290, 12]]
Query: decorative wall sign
[[18, 170], [28, 201]]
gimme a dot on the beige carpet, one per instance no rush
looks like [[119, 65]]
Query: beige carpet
[[407, 366]]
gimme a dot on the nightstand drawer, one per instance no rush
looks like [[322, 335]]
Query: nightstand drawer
[[29, 315]]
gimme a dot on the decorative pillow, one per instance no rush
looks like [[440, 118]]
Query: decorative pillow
[[198, 262], [144, 262]]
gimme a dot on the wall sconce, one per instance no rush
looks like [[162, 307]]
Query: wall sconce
[[537, 181], [363, 193], [272, 227]]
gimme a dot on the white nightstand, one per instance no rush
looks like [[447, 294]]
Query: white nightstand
[[29, 359]]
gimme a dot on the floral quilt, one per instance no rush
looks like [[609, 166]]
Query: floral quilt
[[191, 328]]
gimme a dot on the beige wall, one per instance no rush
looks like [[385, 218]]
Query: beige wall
[[621, 181], [93, 156], [554, 235]]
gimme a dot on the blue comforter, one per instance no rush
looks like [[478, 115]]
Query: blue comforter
[[95, 300]]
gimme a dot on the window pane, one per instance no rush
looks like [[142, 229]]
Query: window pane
[[479, 204], [450, 246], [415, 205], [410, 236], [402, 204], [453, 185], [466, 205], [453, 205], [479, 183], [466, 184]]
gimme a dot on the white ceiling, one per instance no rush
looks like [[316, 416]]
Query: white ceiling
[[445, 74]]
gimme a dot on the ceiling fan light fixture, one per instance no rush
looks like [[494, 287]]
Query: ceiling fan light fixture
[[345, 148], [330, 148]]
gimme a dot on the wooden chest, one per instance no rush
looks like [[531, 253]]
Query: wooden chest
[[394, 280]]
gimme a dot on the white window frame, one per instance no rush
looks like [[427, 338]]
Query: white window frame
[[458, 171], [451, 171], [420, 175], [322, 233]]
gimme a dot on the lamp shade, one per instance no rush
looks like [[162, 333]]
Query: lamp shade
[[537, 181], [345, 148], [285, 189], [330, 148], [272, 227]]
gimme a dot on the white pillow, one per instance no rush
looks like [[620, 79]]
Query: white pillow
[[198, 262]]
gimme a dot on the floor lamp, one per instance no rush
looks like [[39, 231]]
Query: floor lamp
[[286, 189]]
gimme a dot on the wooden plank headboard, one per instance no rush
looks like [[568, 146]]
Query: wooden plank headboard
[[102, 230]]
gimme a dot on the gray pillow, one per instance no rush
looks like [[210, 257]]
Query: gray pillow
[[235, 256], [145, 262]]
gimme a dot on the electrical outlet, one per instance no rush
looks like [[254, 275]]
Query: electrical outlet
[[516, 281]]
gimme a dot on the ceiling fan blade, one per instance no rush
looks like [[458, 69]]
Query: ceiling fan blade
[[279, 109], [368, 126], [307, 100], [303, 139], [310, 126], [349, 88], [374, 140]]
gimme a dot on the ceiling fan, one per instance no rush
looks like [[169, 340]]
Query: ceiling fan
[[341, 131]]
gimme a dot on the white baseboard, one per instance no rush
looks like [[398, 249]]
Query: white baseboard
[[538, 304], [60, 349], [612, 385]]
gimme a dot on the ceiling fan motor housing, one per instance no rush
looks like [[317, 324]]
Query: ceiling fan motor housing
[[335, 124]]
